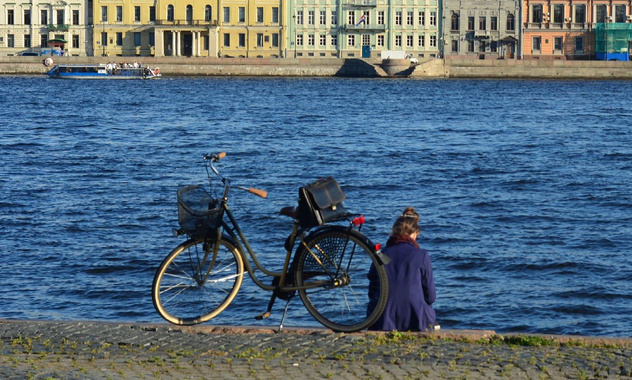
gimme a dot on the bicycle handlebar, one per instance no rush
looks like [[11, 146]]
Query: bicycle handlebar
[[215, 156], [218, 156]]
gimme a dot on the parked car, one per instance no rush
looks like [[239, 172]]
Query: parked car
[[29, 54]]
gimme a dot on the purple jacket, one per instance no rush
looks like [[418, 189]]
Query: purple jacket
[[411, 290]]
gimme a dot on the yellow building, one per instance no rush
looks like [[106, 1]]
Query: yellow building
[[192, 28], [249, 28]]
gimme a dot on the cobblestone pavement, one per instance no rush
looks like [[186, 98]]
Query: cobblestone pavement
[[98, 350]]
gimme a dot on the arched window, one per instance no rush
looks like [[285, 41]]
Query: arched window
[[170, 16], [455, 22], [189, 13], [208, 13], [511, 22]]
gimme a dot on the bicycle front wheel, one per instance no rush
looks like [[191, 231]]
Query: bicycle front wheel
[[332, 268], [192, 285]]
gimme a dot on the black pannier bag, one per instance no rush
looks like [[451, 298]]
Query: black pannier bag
[[321, 202]]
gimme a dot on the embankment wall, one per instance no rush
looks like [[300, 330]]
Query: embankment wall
[[289, 67]]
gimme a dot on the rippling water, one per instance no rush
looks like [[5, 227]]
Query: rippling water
[[523, 188]]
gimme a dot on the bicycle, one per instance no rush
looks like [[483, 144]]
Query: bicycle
[[329, 269]]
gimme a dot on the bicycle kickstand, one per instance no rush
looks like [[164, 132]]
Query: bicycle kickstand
[[266, 313], [287, 305]]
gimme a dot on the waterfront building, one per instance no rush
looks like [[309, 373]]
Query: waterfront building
[[47, 27], [566, 29], [363, 28], [482, 29], [123, 27]]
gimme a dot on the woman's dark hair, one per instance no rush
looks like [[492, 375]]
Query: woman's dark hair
[[407, 223]]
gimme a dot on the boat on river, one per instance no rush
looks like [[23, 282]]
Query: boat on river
[[103, 71]]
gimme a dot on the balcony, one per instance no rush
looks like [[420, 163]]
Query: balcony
[[361, 3], [54, 27], [365, 28]]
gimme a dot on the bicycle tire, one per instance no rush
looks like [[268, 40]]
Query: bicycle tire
[[343, 256], [181, 296]]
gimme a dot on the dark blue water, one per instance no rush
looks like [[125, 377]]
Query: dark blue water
[[524, 189]]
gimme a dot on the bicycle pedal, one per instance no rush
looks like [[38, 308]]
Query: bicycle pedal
[[262, 316]]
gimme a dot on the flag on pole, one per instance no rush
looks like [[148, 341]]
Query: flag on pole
[[362, 20]]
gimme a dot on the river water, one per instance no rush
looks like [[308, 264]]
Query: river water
[[523, 188]]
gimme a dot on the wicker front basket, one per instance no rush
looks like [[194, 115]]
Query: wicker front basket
[[197, 214]]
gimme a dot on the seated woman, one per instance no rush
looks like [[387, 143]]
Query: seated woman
[[411, 288]]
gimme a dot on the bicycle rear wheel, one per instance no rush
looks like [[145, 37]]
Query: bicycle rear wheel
[[191, 286], [333, 268]]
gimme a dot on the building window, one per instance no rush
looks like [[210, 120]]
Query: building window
[[136, 13], [398, 41], [275, 39], [493, 23], [470, 46], [409, 18], [558, 13], [334, 18], [580, 13], [75, 41], [310, 40], [27, 17], [260, 40], [351, 18], [152, 14], [119, 13], [536, 13], [481, 46], [104, 13], [226, 14], [275, 15], [260, 14], [311, 19], [494, 46], [44, 40], [455, 46], [422, 18], [11, 40], [27, 40], [454, 22], [380, 18], [398, 18], [207, 42], [152, 39], [44, 17], [10, 18], [119, 39], [470, 23], [380, 40], [241, 40], [579, 45], [619, 13], [323, 39], [511, 22], [61, 17], [433, 18], [482, 23], [104, 38], [170, 15], [208, 13], [334, 40], [242, 14], [299, 17], [366, 40], [409, 41], [537, 42], [299, 40], [226, 39], [433, 41], [557, 44], [136, 39], [322, 19], [421, 41], [351, 40]]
